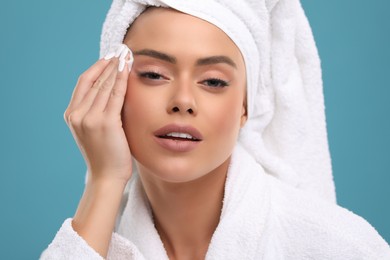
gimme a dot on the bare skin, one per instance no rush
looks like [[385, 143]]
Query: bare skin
[[186, 218], [112, 113], [94, 117]]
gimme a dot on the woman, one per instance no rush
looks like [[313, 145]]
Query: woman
[[200, 78]]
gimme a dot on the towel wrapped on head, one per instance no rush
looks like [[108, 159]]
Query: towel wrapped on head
[[286, 131]]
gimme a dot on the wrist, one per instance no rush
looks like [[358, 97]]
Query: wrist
[[95, 217], [107, 179]]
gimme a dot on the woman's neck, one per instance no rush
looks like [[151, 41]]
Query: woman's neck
[[187, 214]]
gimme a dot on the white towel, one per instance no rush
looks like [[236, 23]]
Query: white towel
[[286, 131], [263, 218]]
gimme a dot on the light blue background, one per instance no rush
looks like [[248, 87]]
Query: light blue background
[[45, 45]]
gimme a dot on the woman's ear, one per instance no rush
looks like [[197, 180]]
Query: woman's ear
[[244, 115]]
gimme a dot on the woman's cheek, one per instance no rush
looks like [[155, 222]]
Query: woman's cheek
[[225, 118]]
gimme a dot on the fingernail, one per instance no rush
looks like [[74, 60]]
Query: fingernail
[[130, 60], [129, 65], [122, 57], [121, 65]]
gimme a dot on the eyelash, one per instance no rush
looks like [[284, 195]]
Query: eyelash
[[151, 75], [220, 83], [211, 82]]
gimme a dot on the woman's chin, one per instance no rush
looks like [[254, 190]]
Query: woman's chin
[[172, 173], [181, 170]]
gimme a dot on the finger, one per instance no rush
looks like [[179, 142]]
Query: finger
[[118, 92], [102, 83], [85, 82], [103, 95], [83, 85]]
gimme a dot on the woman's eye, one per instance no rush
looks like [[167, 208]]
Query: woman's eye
[[215, 83], [151, 75]]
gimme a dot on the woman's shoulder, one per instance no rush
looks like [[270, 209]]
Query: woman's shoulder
[[310, 222]]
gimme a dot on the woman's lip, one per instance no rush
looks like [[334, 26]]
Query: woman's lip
[[175, 144], [173, 128]]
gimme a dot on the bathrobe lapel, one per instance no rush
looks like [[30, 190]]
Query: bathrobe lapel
[[239, 232]]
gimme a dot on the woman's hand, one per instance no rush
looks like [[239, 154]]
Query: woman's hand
[[94, 117]]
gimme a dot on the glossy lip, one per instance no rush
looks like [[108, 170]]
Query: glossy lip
[[178, 145]]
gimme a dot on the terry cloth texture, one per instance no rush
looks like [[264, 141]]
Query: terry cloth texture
[[262, 218]]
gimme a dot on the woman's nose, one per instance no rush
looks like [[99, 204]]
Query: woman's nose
[[182, 100]]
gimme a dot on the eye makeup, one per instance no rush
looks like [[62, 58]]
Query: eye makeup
[[214, 77], [150, 75], [215, 83]]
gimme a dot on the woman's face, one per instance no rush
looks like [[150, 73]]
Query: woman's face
[[185, 101]]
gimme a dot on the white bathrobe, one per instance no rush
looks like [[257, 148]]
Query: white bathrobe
[[262, 218]]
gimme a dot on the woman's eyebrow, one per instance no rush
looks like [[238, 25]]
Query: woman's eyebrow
[[200, 62], [156, 55], [216, 59]]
